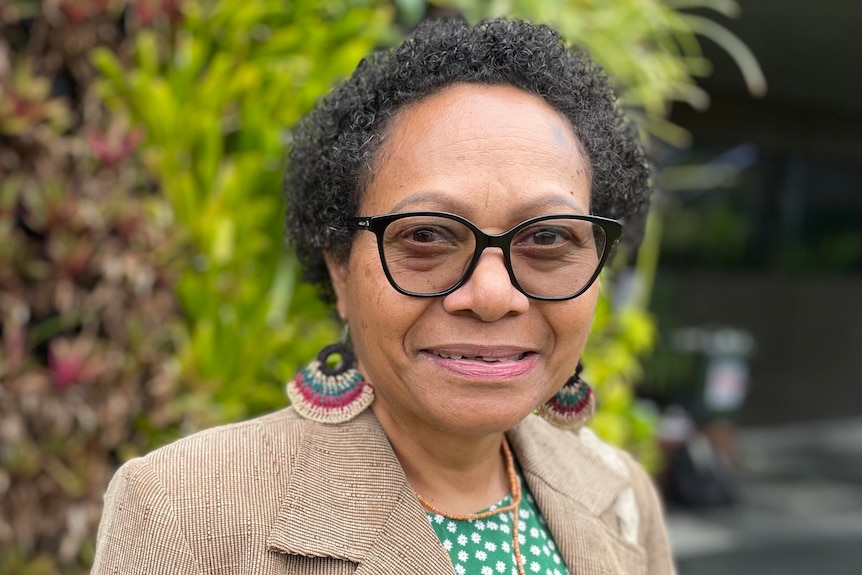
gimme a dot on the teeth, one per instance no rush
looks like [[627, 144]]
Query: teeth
[[516, 357]]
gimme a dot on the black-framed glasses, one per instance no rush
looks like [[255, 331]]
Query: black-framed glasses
[[550, 257]]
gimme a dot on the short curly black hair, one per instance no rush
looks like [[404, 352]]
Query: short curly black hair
[[334, 147]]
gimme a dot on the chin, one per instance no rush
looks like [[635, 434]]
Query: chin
[[483, 420]]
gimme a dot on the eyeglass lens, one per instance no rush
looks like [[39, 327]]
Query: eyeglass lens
[[553, 258]]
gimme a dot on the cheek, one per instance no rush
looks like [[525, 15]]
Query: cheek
[[575, 322], [378, 315]]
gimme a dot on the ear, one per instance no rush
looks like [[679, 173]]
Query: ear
[[338, 273]]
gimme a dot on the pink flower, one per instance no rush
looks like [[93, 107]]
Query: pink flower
[[67, 361], [114, 145]]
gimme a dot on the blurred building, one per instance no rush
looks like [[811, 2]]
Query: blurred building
[[763, 234], [763, 231]]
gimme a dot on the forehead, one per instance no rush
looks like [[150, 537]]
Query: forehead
[[473, 144]]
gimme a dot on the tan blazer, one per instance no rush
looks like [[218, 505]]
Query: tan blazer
[[281, 494]]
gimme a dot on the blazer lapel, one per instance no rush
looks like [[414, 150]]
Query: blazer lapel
[[348, 498], [407, 544], [573, 487]]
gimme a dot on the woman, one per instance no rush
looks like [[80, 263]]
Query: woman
[[445, 199]]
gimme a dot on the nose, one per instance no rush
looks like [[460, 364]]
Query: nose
[[488, 293]]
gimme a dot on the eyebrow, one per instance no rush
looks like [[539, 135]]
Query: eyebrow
[[457, 205]]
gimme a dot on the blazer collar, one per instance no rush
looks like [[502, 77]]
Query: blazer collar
[[348, 498], [573, 486]]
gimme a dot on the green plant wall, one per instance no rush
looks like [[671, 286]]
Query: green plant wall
[[216, 97]]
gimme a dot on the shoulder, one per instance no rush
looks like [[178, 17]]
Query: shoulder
[[225, 469], [264, 444], [604, 480], [590, 462], [553, 448], [223, 485]]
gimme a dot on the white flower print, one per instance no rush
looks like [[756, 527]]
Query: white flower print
[[484, 546]]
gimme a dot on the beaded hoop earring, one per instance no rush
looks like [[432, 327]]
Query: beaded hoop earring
[[330, 394], [573, 405]]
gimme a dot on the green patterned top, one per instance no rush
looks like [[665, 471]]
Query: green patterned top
[[484, 546]]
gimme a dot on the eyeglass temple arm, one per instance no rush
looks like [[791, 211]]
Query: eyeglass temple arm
[[359, 223]]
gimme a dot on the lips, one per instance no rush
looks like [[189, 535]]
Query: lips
[[485, 358], [483, 363]]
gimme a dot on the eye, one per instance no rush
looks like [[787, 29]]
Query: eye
[[424, 235], [546, 237], [428, 230]]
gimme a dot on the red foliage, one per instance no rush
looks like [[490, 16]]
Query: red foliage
[[114, 145], [78, 11]]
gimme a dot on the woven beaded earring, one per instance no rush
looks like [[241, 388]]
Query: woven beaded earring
[[573, 405], [331, 393]]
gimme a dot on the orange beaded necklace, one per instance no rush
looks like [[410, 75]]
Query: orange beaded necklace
[[514, 487]]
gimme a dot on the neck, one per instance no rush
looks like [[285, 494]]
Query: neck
[[457, 474]]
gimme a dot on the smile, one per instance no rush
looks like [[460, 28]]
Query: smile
[[488, 359], [487, 365]]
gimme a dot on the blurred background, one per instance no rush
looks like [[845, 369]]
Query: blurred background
[[760, 289], [145, 291]]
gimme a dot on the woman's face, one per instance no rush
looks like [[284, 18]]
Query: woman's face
[[480, 359]]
